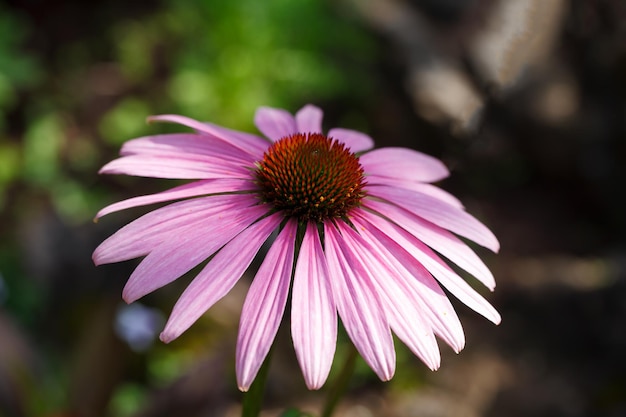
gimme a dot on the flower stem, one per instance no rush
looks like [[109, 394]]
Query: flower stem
[[341, 382], [253, 398]]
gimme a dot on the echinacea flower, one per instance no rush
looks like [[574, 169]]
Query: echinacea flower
[[359, 233]]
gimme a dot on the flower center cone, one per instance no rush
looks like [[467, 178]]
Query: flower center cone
[[311, 177]]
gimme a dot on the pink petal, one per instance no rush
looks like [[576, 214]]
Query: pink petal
[[194, 189], [439, 213], [187, 145], [420, 187], [313, 311], [186, 249], [252, 144], [144, 234], [359, 306], [174, 167], [437, 238], [403, 164], [401, 307], [309, 119], [264, 306], [415, 280], [275, 123], [442, 272], [354, 140], [218, 276]]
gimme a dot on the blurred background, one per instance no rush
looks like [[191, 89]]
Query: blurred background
[[524, 101]]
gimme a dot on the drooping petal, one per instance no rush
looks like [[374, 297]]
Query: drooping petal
[[420, 187], [275, 123], [218, 277], [401, 307], [186, 249], [442, 272], [359, 307], [174, 167], [403, 164], [439, 213], [252, 144], [187, 145], [264, 306], [194, 189], [356, 141], [437, 238], [313, 311], [144, 234], [309, 119], [414, 279]]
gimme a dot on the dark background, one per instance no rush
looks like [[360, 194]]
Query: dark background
[[523, 100]]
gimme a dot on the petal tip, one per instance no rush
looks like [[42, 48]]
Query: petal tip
[[495, 245], [98, 257], [166, 337], [314, 385], [128, 296], [387, 377], [434, 366]]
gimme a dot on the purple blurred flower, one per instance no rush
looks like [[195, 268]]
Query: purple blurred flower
[[357, 231]]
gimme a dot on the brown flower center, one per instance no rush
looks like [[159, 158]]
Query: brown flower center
[[311, 176]]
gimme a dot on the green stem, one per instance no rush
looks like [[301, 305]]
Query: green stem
[[253, 398], [341, 383]]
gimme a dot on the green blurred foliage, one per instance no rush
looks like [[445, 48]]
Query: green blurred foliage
[[42, 150], [18, 69], [128, 399], [125, 120], [229, 57]]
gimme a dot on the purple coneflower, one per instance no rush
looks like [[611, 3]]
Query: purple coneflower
[[359, 232]]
